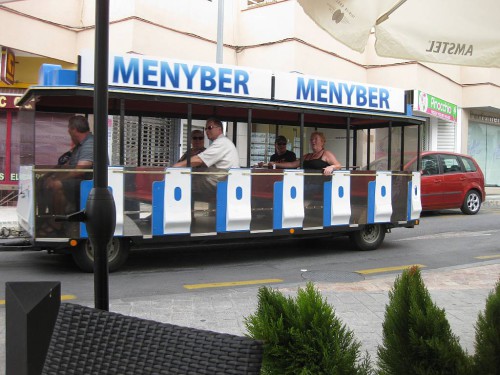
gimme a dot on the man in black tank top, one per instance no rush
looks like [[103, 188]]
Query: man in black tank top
[[282, 154]]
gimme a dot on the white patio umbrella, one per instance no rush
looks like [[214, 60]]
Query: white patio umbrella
[[459, 32]]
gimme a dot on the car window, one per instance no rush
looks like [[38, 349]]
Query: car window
[[430, 165], [450, 164], [468, 164]]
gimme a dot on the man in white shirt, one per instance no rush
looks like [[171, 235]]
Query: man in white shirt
[[218, 157]]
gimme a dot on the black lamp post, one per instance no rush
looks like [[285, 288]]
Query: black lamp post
[[100, 211]]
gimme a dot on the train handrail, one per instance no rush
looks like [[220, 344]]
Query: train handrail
[[50, 170]]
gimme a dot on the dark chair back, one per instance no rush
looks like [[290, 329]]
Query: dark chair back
[[90, 341]]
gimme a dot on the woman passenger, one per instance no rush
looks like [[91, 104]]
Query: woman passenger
[[319, 158]]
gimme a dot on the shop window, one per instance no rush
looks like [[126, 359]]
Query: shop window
[[51, 137], [3, 131], [14, 148]]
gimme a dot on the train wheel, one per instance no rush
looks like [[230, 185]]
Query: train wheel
[[368, 238], [118, 251]]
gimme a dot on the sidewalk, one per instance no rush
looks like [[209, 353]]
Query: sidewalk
[[492, 193], [460, 291], [8, 217]]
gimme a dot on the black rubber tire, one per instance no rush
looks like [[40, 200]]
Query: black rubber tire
[[83, 255], [472, 203], [368, 238]]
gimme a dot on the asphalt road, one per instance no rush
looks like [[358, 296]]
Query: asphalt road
[[447, 238]]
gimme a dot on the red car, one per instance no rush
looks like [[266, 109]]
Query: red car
[[450, 180]]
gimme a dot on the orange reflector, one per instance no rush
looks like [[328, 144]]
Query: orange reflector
[[417, 222], [73, 243], [292, 231]]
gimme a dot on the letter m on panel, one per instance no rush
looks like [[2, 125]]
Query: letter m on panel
[[123, 73]]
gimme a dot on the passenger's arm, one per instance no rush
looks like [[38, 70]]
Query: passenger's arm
[[195, 162], [334, 163], [82, 164], [289, 164]]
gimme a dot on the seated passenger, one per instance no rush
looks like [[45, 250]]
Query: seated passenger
[[63, 188], [282, 154], [43, 198], [319, 159], [220, 155], [197, 144]]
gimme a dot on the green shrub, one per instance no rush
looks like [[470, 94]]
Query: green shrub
[[303, 335], [487, 343], [417, 337]]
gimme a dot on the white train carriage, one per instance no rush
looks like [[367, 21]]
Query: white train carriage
[[154, 103]]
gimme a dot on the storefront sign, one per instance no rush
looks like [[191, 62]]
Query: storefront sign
[[13, 177], [434, 106], [295, 87], [157, 73], [7, 66], [490, 119], [9, 101]]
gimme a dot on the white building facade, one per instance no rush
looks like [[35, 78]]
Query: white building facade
[[464, 115]]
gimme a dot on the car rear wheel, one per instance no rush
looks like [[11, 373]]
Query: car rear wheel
[[118, 251], [472, 203], [368, 238]]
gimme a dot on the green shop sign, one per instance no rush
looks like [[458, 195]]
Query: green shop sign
[[434, 106]]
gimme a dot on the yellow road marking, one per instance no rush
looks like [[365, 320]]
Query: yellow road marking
[[67, 297], [64, 297], [488, 256], [387, 269], [231, 283]]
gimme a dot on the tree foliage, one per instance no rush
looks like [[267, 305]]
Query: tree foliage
[[487, 342], [302, 335], [417, 337]]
